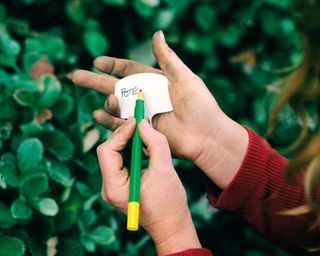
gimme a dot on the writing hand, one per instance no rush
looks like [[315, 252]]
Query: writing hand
[[196, 129], [164, 210]]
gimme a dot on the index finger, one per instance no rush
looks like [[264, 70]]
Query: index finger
[[101, 83], [109, 153], [122, 67]]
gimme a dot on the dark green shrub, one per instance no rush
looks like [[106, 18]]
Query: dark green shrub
[[49, 175]]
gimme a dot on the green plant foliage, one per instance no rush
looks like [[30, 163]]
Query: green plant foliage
[[49, 175], [6, 220], [29, 154], [34, 185], [60, 173], [58, 144], [46, 206], [20, 210], [95, 42], [11, 246]]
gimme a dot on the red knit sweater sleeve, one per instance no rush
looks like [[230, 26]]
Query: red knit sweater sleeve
[[259, 192], [193, 252]]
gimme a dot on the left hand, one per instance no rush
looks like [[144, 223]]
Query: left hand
[[164, 209], [196, 129]]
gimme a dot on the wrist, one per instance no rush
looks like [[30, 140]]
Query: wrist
[[223, 151], [178, 237]]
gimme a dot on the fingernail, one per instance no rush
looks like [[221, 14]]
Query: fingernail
[[69, 75], [144, 123], [129, 120], [162, 37], [95, 115], [96, 61]]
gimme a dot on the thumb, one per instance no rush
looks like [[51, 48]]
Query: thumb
[[169, 62], [157, 146]]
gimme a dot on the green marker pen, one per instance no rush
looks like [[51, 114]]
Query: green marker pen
[[135, 169]]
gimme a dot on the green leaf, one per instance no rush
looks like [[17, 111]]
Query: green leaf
[[163, 19], [89, 163], [88, 102], [58, 144], [178, 6], [8, 110], [205, 17], [47, 206], [5, 130], [7, 61], [11, 246], [115, 2], [6, 220], [75, 132], [90, 139], [9, 173], [150, 3], [22, 81], [3, 183], [95, 42], [260, 111], [2, 12], [270, 22], [143, 8], [229, 36], [68, 247], [88, 218], [55, 47], [34, 185], [197, 43], [103, 235], [34, 49], [201, 209], [83, 189], [65, 195], [8, 158], [87, 243], [90, 201], [29, 154], [50, 88], [29, 58], [65, 219], [63, 106], [20, 210], [60, 173], [24, 98], [8, 45], [285, 4], [143, 53], [75, 11], [31, 129]]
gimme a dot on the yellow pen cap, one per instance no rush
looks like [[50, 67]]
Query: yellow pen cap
[[133, 216]]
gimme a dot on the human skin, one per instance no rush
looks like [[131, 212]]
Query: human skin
[[196, 129], [164, 210]]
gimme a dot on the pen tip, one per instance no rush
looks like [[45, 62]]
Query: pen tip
[[140, 95]]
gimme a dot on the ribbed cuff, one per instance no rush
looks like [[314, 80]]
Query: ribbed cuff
[[193, 252], [247, 180]]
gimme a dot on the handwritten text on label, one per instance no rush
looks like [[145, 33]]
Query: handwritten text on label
[[126, 93]]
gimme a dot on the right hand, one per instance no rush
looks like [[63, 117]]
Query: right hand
[[196, 129], [164, 208]]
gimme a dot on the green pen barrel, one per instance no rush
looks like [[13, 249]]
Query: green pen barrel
[[136, 157], [135, 170]]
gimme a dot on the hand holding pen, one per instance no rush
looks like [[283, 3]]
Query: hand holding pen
[[164, 211], [135, 168]]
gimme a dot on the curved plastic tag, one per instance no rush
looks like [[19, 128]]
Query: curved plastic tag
[[155, 92]]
